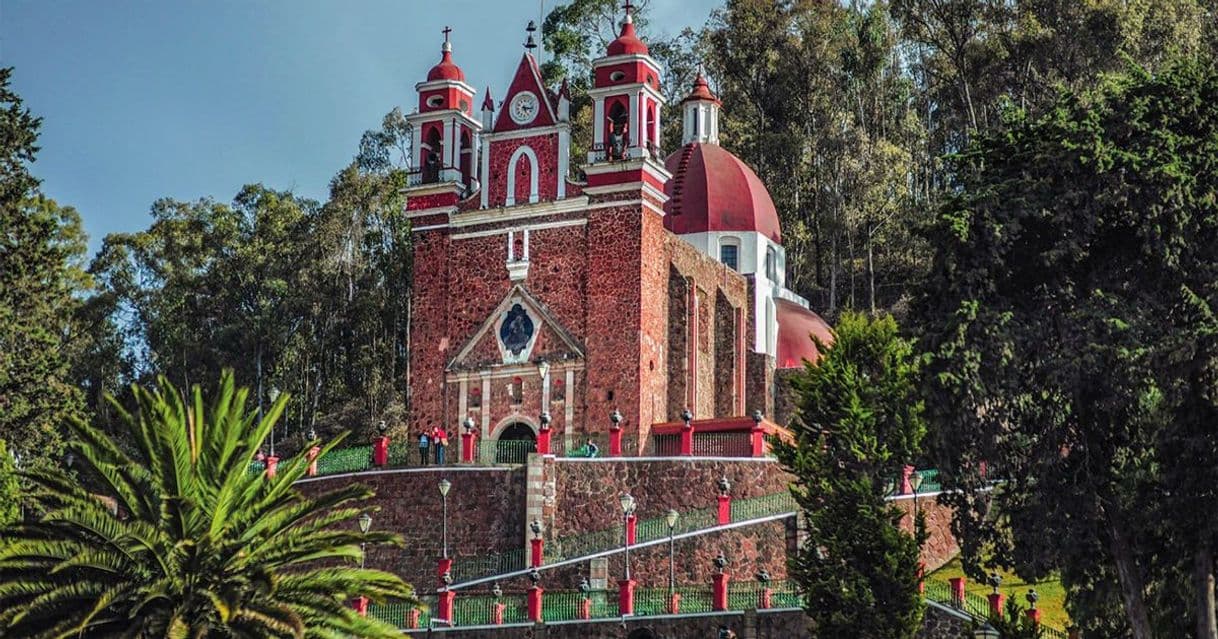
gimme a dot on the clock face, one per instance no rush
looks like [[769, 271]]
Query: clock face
[[524, 107]]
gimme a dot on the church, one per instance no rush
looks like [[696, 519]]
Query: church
[[641, 293]]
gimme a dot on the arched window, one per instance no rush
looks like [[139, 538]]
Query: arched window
[[433, 158], [729, 252], [558, 391], [771, 264], [467, 156], [517, 390], [475, 398], [616, 142]]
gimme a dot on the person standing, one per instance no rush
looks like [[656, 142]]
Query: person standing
[[439, 441], [424, 444]]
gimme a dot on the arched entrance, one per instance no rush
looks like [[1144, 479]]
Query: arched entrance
[[515, 443]]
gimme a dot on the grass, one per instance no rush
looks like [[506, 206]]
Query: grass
[[1052, 602]]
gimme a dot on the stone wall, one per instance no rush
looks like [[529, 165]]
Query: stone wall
[[485, 514], [749, 624], [941, 547]]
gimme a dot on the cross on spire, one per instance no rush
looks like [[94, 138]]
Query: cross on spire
[[447, 30], [629, 6]]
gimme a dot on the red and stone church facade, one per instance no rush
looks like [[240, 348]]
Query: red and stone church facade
[[653, 286]]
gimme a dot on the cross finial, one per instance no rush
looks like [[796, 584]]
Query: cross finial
[[629, 6], [447, 30]]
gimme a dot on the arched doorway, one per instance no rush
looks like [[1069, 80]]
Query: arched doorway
[[515, 443]]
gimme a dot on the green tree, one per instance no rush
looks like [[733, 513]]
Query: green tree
[[180, 539], [10, 486], [1070, 317], [858, 422], [41, 245]]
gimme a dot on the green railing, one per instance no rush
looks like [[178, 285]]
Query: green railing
[[345, 460], [564, 605], [763, 506], [973, 605], [579, 445], [505, 451], [477, 567]]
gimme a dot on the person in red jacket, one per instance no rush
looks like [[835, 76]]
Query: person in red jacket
[[439, 442]]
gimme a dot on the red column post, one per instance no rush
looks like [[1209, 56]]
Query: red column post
[[535, 603], [997, 600], [921, 577], [674, 604], [444, 607], [412, 618], [1034, 616], [757, 435], [906, 486], [687, 440], [615, 441], [765, 599], [535, 554], [725, 510], [585, 608], [445, 564], [625, 597], [719, 591], [497, 613], [380, 451], [360, 605], [312, 456], [272, 465], [543, 441], [467, 447], [957, 584], [632, 528]]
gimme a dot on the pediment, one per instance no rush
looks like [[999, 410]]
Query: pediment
[[520, 330]]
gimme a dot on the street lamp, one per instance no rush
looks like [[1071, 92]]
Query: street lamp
[[671, 518], [628, 505], [444, 486], [365, 524], [915, 482], [273, 394]]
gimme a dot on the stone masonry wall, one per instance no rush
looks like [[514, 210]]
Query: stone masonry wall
[[941, 547], [485, 514]]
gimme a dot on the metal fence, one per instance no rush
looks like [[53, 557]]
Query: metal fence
[[974, 605]]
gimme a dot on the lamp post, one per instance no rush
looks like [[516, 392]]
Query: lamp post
[[445, 485], [365, 524], [671, 518], [273, 394], [915, 482], [628, 506]]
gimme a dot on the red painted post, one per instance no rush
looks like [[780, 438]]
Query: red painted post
[[535, 556], [625, 597], [272, 464], [719, 591], [725, 510], [615, 441], [467, 448], [687, 440], [957, 584], [360, 605], [585, 609], [766, 600], [758, 440], [312, 455], [535, 603], [497, 613], [1034, 616], [921, 577], [543, 441], [412, 618], [674, 604], [632, 529], [997, 600], [380, 451], [906, 486], [444, 607], [445, 564]]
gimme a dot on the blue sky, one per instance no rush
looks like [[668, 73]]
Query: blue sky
[[144, 99]]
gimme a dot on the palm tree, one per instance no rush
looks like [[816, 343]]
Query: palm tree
[[198, 545]]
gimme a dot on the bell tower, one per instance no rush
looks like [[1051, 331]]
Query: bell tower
[[700, 115], [626, 103], [445, 131]]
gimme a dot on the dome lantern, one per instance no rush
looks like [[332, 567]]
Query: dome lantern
[[700, 110]]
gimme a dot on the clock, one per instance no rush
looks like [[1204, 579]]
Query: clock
[[524, 107]]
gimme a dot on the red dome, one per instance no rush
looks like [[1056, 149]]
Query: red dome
[[713, 190], [701, 91], [446, 70], [796, 326], [628, 43]]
